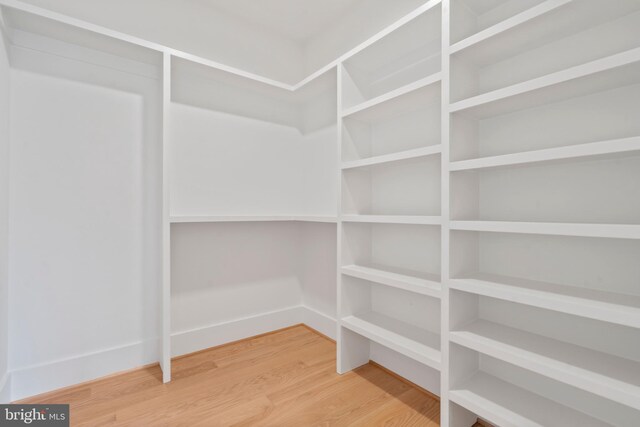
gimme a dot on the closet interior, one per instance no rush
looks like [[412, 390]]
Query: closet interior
[[454, 195]]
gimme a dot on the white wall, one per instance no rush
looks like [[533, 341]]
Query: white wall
[[82, 302], [4, 215], [227, 272], [230, 165], [196, 27]]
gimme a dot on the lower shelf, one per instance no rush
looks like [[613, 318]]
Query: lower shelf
[[411, 341], [594, 304], [602, 374], [506, 405]]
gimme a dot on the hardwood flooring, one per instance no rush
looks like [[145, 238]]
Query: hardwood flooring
[[285, 378]]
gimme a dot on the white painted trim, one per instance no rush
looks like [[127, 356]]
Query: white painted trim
[[185, 342], [321, 322], [41, 378], [5, 388]]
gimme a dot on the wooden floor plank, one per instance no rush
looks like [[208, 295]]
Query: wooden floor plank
[[285, 378]]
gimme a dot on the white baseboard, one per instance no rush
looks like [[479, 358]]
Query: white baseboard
[[39, 379], [34, 380], [186, 342], [5, 388], [322, 323]]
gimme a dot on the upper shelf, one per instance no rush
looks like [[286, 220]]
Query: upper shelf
[[406, 55], [545, 46], [613, 148], [397, 101], [614, 231], [471, 23], [35, 32], [617, 70], [393, 157]]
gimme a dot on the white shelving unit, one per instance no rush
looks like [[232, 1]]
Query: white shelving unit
[[487, 183], [541, 285], [390, 211]]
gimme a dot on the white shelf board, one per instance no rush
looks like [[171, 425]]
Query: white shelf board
[[507, 405], [614, 231], [393, 95], [507, 24], [613, 148], [602, 374], [393, 157], [590, 303], [394, 219], [612, 71], [411, 341], [420, 283], [175, 219]]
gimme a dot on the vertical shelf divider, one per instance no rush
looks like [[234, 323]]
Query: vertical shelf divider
[[447, 418], [165, 361]]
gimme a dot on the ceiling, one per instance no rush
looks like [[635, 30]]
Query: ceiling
[[297, 20]]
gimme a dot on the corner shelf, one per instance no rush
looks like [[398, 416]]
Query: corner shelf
[[602, 374], [613, 231], [394, 157], [619, 147], [589, 303], [507, 405], [394, 219], [420, 283], [177, 219], [416, 343]]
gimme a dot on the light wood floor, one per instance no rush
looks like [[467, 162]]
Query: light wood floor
[[286, 378]]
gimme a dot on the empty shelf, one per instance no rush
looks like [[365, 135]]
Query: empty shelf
[[249, 218], [389, 103], [421, 283], [615, 147], [512, 22], [394, 219], [411, 341], [603, 374], [615, 231], [613, 71], [594, 304], [507, 405], [394, 157]]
